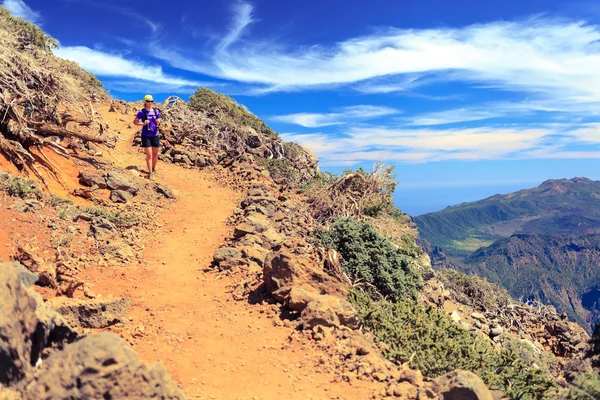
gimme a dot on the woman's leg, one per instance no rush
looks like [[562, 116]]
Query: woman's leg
[[148, 151], [154, 157]]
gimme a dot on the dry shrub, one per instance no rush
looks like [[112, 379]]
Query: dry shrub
[[355, 194], [39, 95]]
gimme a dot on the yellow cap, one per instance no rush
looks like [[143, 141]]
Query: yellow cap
[[148, 98]]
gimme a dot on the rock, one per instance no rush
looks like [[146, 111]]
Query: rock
[[26, 277], [7, 394], [414, 377], [259, 200], [92, 180], [226, 253], [496, 331], [323, 310], [461, 385], [284, 270], [405, 390], [18, 323], [115, 181], [120, 196], [26, 327], [100, 227], [259, 221], [94, 313], [478, 316], [455, 317], [273, 237], [255, 253], [164, 190], [243, 229], [101, 367]]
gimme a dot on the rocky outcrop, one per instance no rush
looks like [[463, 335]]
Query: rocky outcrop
[[94, 313], [27, 326], [102, 367], [284, 270], [96, 367]]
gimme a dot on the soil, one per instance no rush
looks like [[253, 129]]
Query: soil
[[183, 314]]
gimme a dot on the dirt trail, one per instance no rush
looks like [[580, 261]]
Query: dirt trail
[[213, 346]]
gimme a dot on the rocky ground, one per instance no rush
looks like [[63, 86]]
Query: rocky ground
[[209, 273]]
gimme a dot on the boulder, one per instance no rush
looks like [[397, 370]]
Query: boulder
[[116, 181], [92, 180], [26, 327], [272, 237], [226, 253], [321, 310], [120, 196], [284, 270], [243, 229], [94, 313], [101, 367], [255, 253], [18, 324], [258, 221], [164, 190], [461, 385]]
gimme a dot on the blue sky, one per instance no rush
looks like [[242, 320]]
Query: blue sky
[[466, 98]]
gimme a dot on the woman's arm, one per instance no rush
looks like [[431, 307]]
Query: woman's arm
[[140, 123]]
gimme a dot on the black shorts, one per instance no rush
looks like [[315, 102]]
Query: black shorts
[[150, 141]]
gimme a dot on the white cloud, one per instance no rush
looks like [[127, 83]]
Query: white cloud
[[372, 143], [242, 17], [343, 116], [550, 58], [19, 9], [115, 65]]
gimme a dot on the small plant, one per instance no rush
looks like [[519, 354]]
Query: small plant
[[474, 291], [28, 33], [118, 218], [585, 387], [56, 201], [22, 187], [370, 258], [433, 343], [62, 241], [281, 168]]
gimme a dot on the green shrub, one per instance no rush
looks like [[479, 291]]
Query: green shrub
[[62, 241], [280, 168], [433, 343], [227, 110], [117, 217], [27, 33], [370, 258], [21, 187], [474, 291], [585, 387]]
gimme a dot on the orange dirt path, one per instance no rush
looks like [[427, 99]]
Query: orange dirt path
[[214, 347]]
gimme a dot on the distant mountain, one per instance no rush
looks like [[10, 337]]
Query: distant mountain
[[562, 206], [540, 244], [562, 270]]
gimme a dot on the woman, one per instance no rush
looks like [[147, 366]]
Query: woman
[[149, 118]]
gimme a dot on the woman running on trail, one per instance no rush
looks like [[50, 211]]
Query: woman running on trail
[[149, 117]]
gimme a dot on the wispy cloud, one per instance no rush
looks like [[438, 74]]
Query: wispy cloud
[[19, 9], [548, 58], [242, 17], [342, 116], [116, 65], [371, 143]]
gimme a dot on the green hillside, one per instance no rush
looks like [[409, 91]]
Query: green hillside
[[562, 270], [564, 206]]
